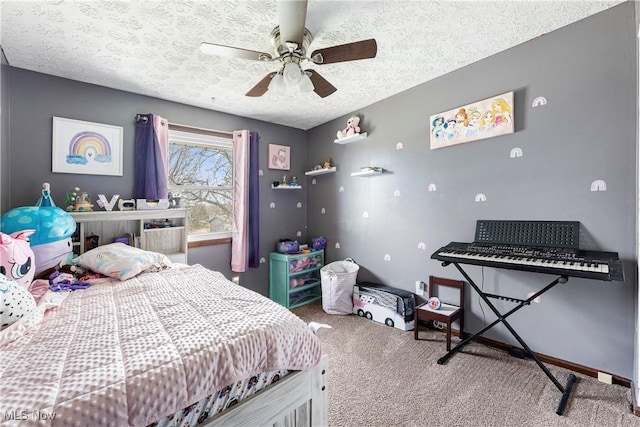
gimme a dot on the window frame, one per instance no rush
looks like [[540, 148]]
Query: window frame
[[198, 137]]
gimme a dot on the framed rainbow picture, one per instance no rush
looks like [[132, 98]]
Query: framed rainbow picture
[[86, 148]]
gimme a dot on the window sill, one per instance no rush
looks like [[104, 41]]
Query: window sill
[[210, 242]]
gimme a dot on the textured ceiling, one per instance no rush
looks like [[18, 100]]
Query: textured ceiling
[[152, 47]]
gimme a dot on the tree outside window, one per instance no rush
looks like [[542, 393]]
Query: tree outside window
[[201, 175]]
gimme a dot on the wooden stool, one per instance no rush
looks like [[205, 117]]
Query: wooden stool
[[447, 313]]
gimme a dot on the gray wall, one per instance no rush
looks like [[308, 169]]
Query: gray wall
[[36, 98], [587, 131]]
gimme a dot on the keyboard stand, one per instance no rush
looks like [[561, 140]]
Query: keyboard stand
[[502, 319]]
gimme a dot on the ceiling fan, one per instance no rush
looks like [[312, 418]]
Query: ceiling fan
[[291, 40]]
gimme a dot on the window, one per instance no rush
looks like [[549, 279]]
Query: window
[[201, 175]]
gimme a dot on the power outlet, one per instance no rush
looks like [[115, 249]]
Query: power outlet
[[420, 288], [605, 378]]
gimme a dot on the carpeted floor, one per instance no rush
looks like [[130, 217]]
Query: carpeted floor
[[381, 376]]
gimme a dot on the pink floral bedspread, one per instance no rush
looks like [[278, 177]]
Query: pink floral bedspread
[[129, 353]]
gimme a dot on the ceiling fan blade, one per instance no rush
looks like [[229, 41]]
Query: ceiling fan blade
[[292, 15], [320, 85], [233, 52], [346, 52], [262, 86]]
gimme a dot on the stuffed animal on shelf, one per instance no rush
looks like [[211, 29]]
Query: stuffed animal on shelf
[[17, 260], [319, 243], [351, 129]]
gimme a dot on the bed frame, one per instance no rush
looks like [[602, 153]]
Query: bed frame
[[299, 399]]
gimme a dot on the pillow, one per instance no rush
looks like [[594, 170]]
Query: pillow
[[16, 302], [32, 320], [120, 261]]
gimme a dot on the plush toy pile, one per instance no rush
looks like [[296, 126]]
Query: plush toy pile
[[35, 241], [23, 282], [17, 270]]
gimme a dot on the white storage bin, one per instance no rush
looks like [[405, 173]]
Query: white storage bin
[[338, 279]]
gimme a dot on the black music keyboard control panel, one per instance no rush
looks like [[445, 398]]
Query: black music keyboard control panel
[[564, 261]]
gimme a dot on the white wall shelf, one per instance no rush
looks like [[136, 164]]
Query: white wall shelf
[[367, 172], [321, 171], [352, 138], [286, 187]]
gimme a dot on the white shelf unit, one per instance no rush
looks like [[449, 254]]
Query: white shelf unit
[[352, 138], [171, 241], [367, 173], [286, 187], [321, 171]]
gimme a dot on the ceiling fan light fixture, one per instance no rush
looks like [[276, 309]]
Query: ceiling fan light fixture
[[291, 40], [306, 85], [277, 83], [292, 73]]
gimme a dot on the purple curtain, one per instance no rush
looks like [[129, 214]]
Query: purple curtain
[[151, 166], [245, 242]]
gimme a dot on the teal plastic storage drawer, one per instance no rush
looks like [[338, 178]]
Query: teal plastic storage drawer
[[294, 279]]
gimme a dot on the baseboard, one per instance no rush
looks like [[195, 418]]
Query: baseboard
[[634, 400], [585, 370]]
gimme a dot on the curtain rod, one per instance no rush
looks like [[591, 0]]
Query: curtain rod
[[198, 128], [141, 118]]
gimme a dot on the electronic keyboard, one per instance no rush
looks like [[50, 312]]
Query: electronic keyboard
[[551, 247], [550, 260]]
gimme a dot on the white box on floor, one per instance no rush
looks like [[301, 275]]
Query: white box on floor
[[384, 304]]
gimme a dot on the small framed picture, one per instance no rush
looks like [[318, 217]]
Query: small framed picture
[[86, 147], [279, 157]]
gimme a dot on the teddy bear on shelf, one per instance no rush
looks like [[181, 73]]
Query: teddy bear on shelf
[[351, 129]]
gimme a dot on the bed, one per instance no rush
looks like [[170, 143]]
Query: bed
[[147, 350]]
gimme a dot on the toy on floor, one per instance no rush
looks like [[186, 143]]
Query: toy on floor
[[384, 304]]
